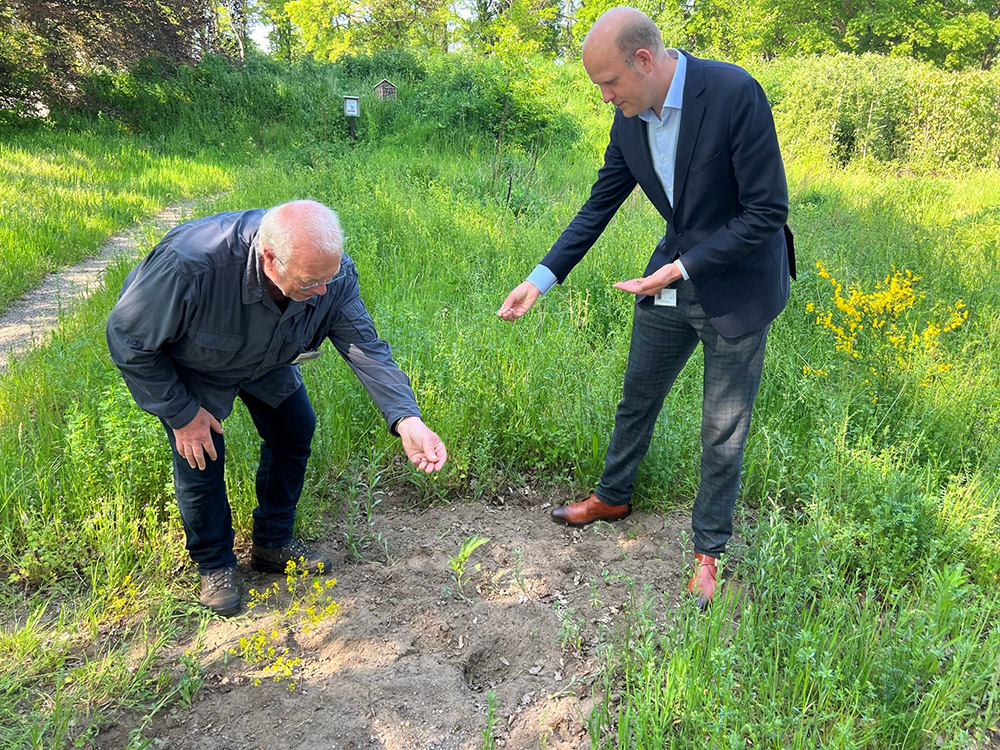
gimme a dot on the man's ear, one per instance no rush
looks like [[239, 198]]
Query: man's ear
[[644, 60]]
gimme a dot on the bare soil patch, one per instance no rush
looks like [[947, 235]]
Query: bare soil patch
[[410, 660]]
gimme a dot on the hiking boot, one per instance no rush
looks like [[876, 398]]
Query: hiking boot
[[275, 560], [219, 591]]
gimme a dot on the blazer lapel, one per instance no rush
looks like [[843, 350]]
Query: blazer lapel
[[642, 166], [692, 113]]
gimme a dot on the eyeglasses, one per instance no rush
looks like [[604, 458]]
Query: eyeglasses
[[306, 287]]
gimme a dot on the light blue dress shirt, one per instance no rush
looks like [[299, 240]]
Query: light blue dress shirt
[[663, 129]]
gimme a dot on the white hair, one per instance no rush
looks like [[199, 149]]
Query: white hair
[[284, 231]]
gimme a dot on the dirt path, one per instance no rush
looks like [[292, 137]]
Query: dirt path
[[410, 660], [30, 319]]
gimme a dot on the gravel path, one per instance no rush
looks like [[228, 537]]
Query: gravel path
[[29, 320]]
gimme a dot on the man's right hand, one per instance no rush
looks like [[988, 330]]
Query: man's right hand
[[194, 439], [519, 301]]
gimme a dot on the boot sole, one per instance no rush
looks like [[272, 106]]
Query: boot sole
[[225, 611]]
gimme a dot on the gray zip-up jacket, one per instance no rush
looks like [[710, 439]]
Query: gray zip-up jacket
[[195, 324]]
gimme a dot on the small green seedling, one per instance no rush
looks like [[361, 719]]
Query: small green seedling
[[458, 562]]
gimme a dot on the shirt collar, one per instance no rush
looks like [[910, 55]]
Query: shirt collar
[[675, 94]]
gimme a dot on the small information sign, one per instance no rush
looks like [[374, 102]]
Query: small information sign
[[352, 108]]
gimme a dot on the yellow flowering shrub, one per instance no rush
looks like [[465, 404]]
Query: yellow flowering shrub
[[263, 649], [310, 602], [880, 329]]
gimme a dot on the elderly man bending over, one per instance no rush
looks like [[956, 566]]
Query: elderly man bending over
[[228, 306]]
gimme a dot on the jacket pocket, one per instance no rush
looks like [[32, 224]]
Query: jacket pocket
[[705, 165], [210, 351], [223, 342]]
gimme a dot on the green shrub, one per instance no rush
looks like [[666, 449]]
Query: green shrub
[[836, 109], [398, 65], [218, 103]]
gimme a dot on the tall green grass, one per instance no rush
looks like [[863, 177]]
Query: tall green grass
[[870, 567], [63, 193], [805, 653]]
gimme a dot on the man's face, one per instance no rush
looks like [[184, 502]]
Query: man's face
[[306, 274], [627, 88]]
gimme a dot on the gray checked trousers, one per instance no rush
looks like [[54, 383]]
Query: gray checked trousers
[[663, 339]]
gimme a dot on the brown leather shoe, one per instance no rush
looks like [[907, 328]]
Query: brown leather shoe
[[588, 511], [703, 581]]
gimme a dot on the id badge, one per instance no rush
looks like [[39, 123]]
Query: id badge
[[666, 298], [306, 356]]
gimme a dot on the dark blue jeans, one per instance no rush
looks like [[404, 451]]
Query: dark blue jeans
[[286, 437]]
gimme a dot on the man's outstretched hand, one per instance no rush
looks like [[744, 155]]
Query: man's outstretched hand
[[424, 448], [519, 301], [194, 439], [662, 277]]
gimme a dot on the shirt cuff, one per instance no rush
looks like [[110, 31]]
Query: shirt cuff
[[682, 269], [184, 417], [543, 278]]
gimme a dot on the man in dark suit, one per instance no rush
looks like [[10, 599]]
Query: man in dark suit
[[698, 137]]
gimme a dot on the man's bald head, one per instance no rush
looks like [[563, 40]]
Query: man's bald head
[[626, 30], [301, 226]]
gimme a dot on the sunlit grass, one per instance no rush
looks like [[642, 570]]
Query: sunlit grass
[[804, 653], [63, 193], [869, 578]]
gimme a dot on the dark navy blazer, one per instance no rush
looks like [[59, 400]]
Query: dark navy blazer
[[730, 199]]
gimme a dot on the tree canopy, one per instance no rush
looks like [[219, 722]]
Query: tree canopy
[[949, 33], [46, 46]]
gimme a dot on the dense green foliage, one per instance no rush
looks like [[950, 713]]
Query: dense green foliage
[[884, 110], [265, 104], [835, 109], [46, 48], [949, 33], [872, 553]]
